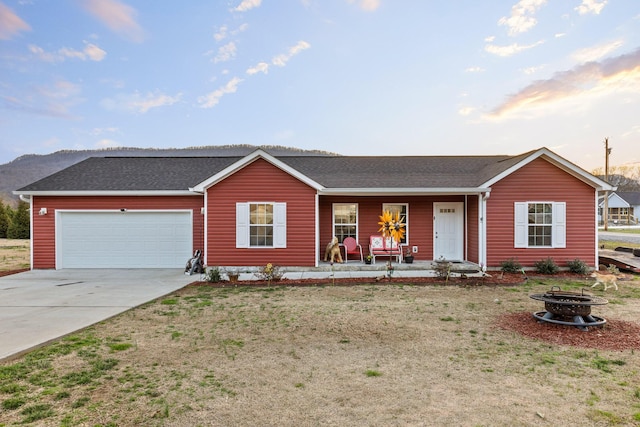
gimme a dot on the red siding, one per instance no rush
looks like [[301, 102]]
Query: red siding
[[43, 239], [369, 210], [541, 181], [260, 182], [472, 229]]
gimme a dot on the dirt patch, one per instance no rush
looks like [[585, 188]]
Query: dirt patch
[[14, 256]]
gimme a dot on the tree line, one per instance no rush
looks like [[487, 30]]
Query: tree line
[[625, 177], [14, 223]]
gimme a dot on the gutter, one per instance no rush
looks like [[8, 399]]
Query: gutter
[[402, 191]]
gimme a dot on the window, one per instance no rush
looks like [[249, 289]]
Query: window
[[345, 220], [403, 208], [540, 224], [261, 225]]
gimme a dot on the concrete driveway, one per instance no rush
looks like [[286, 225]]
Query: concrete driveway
[[41, 305]]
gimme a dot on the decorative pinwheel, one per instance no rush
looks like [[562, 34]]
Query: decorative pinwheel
[[391, 226]]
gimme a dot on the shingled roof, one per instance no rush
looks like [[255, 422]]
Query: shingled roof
[[132, 174], [179, 174]]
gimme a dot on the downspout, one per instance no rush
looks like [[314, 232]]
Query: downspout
[[29, 199]]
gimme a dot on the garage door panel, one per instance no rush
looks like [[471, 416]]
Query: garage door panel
[[124, 239]]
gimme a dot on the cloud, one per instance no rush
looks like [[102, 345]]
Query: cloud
[[51, 101], [509, 50], [282, 59], [596, 52], [225, 53], [465, 111], [10, 23], [532, 70], [521, 19], [117, 16], [223, 32], [618, 74], [474, 70], [246, 5], [138, 103], [90, 52], [261, 67], [591, 6], [212, 99], [100, 131], [366, 5], [107, 143]]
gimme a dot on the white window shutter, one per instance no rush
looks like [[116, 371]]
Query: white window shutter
[[242, 225], [559, 225], [521, 224], [280, 225]]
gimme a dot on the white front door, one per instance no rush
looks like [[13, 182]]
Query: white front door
[[448, 227]]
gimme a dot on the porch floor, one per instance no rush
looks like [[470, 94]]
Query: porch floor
[[357, 269]]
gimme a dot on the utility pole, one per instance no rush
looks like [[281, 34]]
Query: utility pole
[[605, 210]]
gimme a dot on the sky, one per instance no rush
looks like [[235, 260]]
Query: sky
[[354, 77]]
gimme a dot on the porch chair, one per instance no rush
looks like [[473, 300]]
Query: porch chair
[[351, 247]]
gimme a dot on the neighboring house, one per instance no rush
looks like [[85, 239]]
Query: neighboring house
[[150, 212], [623, 208]]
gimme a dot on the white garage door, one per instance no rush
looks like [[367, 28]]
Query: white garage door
[[131, 239]]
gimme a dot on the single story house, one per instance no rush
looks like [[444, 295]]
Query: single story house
[[623, 208], [154, 212]]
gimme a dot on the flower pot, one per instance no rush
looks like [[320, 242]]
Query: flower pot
[[408, 259], [367, 260]]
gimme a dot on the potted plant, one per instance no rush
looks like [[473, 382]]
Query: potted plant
[[368, 259], [408, 257]]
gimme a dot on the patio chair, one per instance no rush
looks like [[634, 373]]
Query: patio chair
[[351, 247]]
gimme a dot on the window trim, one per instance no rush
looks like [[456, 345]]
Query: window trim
[[406, 219], [243, 225], [333, 217], [558, 224]]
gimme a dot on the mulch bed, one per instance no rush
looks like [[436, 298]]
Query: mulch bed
[[613, 335], [495, 280]]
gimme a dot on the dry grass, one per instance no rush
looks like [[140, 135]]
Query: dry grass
[[327, 356], [14, 254]]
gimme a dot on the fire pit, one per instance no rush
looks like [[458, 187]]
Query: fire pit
[[569, 308]]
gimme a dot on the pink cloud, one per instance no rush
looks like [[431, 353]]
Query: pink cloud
[[10, 23], [117, 16]]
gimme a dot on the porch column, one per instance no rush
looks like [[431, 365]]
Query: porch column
[[482, 229]]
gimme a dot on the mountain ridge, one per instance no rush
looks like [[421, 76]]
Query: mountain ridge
[[30, 168]]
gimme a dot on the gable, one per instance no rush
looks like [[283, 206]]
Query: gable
[[248, 160], [259, 180], [558, 162], [539, 180], [615, 201]]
